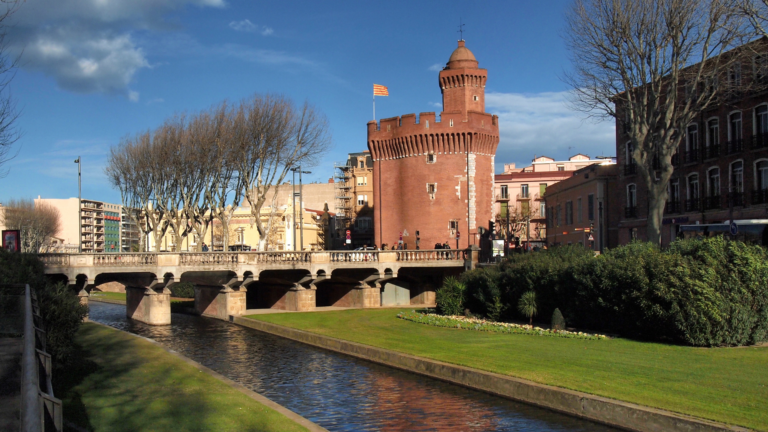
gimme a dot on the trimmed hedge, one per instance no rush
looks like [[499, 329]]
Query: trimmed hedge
[[708, 292], [183, 290]]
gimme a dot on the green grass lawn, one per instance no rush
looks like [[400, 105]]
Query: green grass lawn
[[119, 382], [109, 295], [729, 385]]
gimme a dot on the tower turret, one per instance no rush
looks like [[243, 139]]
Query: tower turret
[[463, 83]]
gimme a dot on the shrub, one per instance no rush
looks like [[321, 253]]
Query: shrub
[[450, 297], [558, 322], [59, 306], [183, 290]]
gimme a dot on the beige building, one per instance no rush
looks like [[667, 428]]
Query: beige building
[[243, 234], [354, 200], [96, 225]]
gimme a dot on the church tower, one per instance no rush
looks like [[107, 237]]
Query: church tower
[[434, 176]]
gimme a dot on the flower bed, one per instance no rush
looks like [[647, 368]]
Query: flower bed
[[460, 322]]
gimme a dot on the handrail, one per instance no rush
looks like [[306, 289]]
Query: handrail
[[40, 410]]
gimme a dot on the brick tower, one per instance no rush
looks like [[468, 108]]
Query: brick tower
[[436, 176]]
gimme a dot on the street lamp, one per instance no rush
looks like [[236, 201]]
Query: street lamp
[[79, 210], [301, 199]]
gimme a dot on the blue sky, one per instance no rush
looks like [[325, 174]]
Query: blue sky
[[93, 71]]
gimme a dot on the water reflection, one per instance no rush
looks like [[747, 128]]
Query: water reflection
[[338, 392]]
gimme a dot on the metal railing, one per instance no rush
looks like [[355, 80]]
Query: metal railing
[[734, 146], [673, 207], [630, 168], [712, 202], [711, 151], [760, 196], [693, 204], [40, 410], [630, 212]]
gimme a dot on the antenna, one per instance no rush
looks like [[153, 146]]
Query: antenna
[[460, 31]]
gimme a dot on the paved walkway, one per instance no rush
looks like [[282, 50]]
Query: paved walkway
[[10, 383]]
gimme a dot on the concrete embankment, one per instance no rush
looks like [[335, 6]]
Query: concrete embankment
[[603, 410]]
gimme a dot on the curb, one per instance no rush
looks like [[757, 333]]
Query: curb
[[611, 412], [312, 427]]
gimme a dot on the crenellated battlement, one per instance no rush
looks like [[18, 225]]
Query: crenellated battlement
[[428, 120]]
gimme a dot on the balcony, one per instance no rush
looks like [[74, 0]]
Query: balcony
[[734, 146], [538, 197], [630, 212], [759, 141], [523, 196], [712, 151], [691, 156], [672, 207], [630, 168], [693, 205], [760, 196], [713, 202], [502, 197], [736, 198]]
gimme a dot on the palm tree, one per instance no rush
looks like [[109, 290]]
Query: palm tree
[[527, 305]]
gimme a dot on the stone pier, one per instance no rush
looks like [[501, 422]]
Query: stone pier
[[149, 305], [299, 298], [220, 301]]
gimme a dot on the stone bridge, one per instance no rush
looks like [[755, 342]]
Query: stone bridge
[[228, 283]]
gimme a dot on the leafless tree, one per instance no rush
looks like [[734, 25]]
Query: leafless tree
[[653, 65], [37, 223], [756, 12], [274, 136], [9, 113]]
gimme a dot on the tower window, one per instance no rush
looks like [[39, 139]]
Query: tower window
[[451, 122], [431, 158], [431, 189], [475, 98]]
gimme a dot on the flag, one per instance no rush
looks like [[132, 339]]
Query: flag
[[380, 90]]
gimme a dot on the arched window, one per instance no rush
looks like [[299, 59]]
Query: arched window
[[760, 195], [692, 203], [712, 148], [736, 192], [692, 143], [734, 133], [712, 201]]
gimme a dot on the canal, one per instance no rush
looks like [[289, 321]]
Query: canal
[[338, 392]]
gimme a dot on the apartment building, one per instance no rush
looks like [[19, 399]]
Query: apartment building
[[354, 200]]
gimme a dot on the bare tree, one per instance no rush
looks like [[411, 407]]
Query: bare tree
[[9, 134], [273, 137], [756, 12], [653, 65], [37, 223]]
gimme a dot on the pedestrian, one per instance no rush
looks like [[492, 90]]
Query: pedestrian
[[446, 246], [205, 247]]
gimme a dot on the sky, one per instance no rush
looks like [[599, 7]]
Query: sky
[[94, 71]]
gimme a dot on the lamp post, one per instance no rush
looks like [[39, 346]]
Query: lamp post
[[301, 201], [79, 210], [293, 204]]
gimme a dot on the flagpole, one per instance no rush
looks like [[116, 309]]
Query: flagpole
[[374, 107]]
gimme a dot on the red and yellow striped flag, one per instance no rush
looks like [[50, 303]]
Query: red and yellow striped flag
[[380, 90]]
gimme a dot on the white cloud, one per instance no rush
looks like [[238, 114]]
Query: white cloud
[[247, 26], [258, 55], [133, 96], [543, 124], [437, 105], [88, 46], [155, 101], [437, 67]]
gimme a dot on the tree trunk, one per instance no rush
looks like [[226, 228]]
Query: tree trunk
[[657, 199], [531, 322]]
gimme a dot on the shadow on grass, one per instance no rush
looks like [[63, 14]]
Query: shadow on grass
[[118, 382]]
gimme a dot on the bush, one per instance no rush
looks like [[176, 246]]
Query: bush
[[558, 322], [450, 297], [183, 290], [708, 292], [59, 306]]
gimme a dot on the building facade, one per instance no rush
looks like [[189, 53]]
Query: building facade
[[720, 168], [433, 178], [519, 208], [582, 209], [354, 200], [96, 225]]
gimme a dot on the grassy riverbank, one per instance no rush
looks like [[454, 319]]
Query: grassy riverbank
[[119, 382], [108, 295], [722, 384]]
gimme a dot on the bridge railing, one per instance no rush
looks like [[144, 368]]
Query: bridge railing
[[354, 256], [431, 255], [54, 260], [207, 258], [279, 257], [125, 259]]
